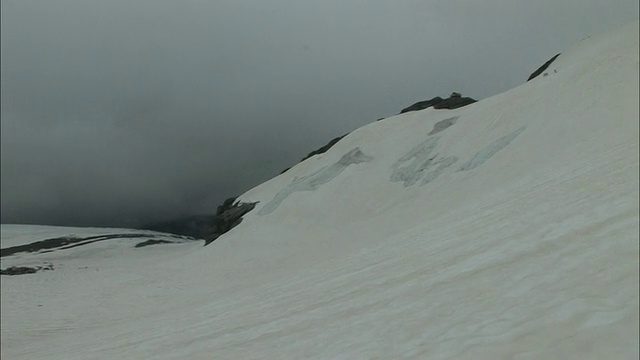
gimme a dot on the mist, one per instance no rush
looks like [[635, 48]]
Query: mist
[[120, 112]]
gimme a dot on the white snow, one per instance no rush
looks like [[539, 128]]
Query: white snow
[[506, 229]]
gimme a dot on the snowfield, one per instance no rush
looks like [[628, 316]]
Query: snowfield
[[506, 229]]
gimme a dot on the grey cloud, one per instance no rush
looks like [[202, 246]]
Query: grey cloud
[[119, 109]]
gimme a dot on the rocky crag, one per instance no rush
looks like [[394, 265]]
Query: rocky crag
[[542, 68], [454, 101]]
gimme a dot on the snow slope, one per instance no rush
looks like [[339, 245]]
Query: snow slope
[[504, 229]]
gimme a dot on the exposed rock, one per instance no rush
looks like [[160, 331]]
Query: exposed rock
[[228, 216], [22, 270], [452, 102], [18, 270], [421, 105], [40, 245], [69, 242], [324, 148], [227, 204], [65, 242], [152, 242], [321, 150], [542, 68]]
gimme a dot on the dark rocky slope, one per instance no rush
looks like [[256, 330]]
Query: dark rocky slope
[[452, 102], [228, 216], [542, 68], [23, 270]]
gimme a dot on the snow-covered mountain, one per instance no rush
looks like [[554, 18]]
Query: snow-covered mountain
[[505, 229]]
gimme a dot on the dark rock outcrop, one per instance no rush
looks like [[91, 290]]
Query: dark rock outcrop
[[152, 242], [452, 102], [70, 242], [62, 243], [542, 68], [324, 148], [421, 105], [228, 216], [321, 150], [22, 270]]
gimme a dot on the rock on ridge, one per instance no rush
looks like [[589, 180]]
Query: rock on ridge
[[542, 68], [228, 216], [452, 102]]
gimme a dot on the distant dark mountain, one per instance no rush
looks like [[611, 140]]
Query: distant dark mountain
[[197, 226]]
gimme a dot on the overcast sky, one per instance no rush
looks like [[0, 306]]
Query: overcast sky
[[135, 110]]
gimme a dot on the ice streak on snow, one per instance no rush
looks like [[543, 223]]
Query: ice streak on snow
[[443, 124], [487, 153], [420, 160], [312, 181]]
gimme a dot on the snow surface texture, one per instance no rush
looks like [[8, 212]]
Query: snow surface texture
[[531, 252]]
